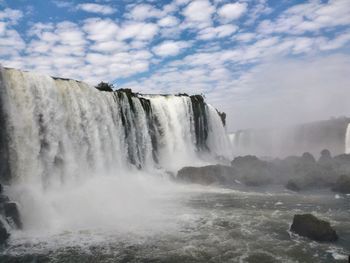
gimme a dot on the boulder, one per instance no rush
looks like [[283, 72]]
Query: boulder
[[206, 175], [309, 226], [4, 235], [293, 185], [342, 185], [12, 214], [253, 171], [326, 159]]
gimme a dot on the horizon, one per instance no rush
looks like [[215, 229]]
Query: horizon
[[264, 63]]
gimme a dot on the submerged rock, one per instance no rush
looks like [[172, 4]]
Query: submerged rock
[[342, 185], [206, 175], [309, 226], [12, 214]]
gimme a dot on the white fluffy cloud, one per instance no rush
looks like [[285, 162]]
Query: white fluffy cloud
[[170, 48], [12, 16], [168, 21], [199, 13], [144, 11], [138, 30], [309, 17], [232, 11], [96, 8], [217, 32]]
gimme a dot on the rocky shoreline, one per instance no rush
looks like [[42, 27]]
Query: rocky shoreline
[[296, 173]]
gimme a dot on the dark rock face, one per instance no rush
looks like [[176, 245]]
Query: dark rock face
[[293, 186], [309, 226], [200, 121], [342, 185], [5, 171], [9, 215], [103, 86], [4, 235], [12, 214]]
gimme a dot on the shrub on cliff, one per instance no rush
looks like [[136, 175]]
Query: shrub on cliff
[[104, 86]]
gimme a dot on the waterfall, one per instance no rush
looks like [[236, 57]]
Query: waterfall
[[347, 140], [60, 130]]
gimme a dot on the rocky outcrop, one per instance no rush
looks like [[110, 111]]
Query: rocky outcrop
[[4, 234], [309, 226], [342, 185], [12, 214], [293, 186], [207, 175], [252, 171], [9, 217]]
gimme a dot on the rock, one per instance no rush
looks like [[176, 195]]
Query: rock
[[253, 171], [326, 159], [342, 185], [4, 235], [293, 186], [3, 199], [309, 226], [308, 158], [206, 175], [12, 214]]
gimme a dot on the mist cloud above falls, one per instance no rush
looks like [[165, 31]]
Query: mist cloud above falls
[[287, 91]]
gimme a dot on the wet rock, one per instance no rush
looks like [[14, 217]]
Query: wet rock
[[309, 226], [206, 175], [253, 171], [4, 235], [12, 214], [293, 186], [103, 86], [342, 185], [3, 199], [326, 159]]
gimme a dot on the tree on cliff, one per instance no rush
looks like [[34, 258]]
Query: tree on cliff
[[104, 86]]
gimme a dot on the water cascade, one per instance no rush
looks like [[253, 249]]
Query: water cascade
[[58, 133], [347, 140]]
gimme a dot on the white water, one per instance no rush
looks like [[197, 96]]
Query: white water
[[347, 140], [75, 165]]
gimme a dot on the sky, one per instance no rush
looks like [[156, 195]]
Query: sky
[[264, 62]]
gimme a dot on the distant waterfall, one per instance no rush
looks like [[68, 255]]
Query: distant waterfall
[[347, 140], [58, 129]]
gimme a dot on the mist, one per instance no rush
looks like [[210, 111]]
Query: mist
[[288, 91]]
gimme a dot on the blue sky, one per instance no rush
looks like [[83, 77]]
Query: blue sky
[[263, 62]]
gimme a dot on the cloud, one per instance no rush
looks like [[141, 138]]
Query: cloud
[[217, 32], [96, 8], [138, 30], [99, 29], [63, 4], [170, 48], [287, 91], [199, 13], [232, 11], [309, 17], [168, 21], [12, 16], [143, 11]]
